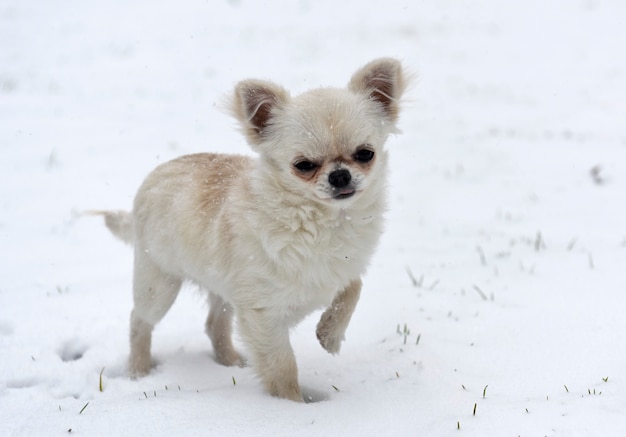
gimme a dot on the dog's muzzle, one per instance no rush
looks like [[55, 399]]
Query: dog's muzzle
[[340, 181]]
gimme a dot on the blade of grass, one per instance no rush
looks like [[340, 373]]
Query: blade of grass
[[83, 409], [100, 383]]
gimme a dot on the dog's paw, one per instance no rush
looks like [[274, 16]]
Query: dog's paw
[[328, 338], [139, 368], [231, 358]]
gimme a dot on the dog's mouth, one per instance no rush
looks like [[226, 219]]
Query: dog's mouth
[[344, 193]]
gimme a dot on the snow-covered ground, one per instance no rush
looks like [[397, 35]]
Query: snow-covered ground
[[495, 304]]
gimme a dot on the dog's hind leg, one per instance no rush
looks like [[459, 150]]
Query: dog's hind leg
[[154, 292], [219, 327], [334, 321]]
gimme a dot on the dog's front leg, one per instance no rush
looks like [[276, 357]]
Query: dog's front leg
[[334, 321], [267, 336]]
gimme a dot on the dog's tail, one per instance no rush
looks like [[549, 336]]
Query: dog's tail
[[120, 223]]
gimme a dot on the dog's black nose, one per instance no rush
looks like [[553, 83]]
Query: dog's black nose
[[339, 178]]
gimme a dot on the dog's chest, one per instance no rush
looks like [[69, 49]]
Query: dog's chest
[[323, 256], [291, 261]]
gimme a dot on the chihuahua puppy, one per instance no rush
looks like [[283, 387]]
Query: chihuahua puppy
[[270, 238]]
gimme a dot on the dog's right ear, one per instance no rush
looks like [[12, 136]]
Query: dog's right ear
[[255, 104]]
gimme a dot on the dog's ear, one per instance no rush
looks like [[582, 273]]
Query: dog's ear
[[383, 81], [255, 104]]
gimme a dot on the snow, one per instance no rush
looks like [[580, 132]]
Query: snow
[[498, 287]]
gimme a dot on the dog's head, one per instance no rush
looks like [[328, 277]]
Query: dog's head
[[325, 144]]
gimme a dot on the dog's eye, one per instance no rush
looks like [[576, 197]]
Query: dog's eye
[[364, 155], [305, 166]]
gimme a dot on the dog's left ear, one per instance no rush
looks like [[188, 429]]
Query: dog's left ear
[[383, 81], [255, 104]]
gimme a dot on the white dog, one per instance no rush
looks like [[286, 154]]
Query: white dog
[[271, 238]]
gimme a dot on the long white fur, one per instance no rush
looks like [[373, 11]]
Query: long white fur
[[268, 244]]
